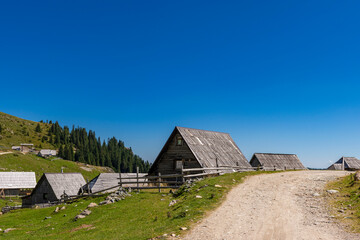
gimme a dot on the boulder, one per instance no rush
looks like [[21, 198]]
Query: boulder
[[332, 191], [79, 217], [198, 196], [91, 205], [218, 185], [172, 203], [183, 228], [105, 202], [9, 229], [62, 208], [86, 212], [56, 209], [357, 176]]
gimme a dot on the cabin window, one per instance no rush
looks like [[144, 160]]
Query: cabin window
[[179, 141], [178, 164], [45, 196]]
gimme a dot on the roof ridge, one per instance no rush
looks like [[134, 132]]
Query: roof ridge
[[277, 153], [202, 130]]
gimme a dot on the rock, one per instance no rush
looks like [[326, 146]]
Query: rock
[[357, 176], [1, 213], [164, 235], [47, 218], [341, 211], [0, 230], [218, 185], [173, 235], [86, 212], [183, 228], [172, 203], [316, 194], [64, 215], [62, 208], [9, 229], [79, 217], [56, 209], [332, 191], [91, 205], [162, 199], [198, 196], [105, 202]]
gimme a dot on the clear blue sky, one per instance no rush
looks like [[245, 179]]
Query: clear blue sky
[[279, 76]]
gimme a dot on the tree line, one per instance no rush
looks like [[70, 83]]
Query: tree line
[[81, 145]]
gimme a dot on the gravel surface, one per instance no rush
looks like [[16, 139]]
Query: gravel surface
[[285, 205]]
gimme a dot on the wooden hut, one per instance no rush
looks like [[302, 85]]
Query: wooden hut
[[109, 182], [11, 183], [53, 187], [194, 148], [346, 163], [275, 161]]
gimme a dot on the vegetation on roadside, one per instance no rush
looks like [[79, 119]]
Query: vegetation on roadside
[[144, 215], [31, 163], [345, 204]]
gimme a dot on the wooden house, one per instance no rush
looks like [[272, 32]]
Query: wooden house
[[194, 148], [53, 187], [275, 161], [346, 163], [12, 183], [45, 153], [109, 182]]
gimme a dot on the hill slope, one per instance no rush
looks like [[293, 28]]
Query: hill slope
[[14, 130], [33, 163], [76, 144]]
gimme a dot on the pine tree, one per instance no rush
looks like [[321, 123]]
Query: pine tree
[[38, 128], [61, 151]]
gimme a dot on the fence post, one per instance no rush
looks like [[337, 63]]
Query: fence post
[[182, 174], [120, 183], [137, 178], [159, 179]]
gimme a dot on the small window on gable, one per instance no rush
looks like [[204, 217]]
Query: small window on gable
[[179, 141]]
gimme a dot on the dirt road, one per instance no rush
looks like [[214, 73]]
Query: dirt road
[[275, 206]]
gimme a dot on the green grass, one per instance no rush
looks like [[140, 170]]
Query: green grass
[[142, 216], [33, 163], [347, 200], [16, 130], [10, 201]]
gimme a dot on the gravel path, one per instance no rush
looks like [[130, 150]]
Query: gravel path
[[275, 206]]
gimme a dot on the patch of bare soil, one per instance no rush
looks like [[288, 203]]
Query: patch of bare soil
[[285, 205], [84, 226]]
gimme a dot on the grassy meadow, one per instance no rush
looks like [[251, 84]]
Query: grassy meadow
[[32, 163], [144, 215]]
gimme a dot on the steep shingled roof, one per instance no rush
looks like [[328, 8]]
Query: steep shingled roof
[[108, 180], [349, 163], [68, 182], [17, 180], [277, 160], [209, 147]]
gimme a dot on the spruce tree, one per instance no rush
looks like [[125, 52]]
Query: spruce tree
[[38, 128]]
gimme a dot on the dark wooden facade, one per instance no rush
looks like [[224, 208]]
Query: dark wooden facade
[[175, 150]]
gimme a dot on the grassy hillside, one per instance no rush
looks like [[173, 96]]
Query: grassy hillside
[[33, 163], [345, 204], [16, 130], [144, 215]]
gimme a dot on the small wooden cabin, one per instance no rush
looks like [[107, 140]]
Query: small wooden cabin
[[346, 163], [110, 182], [11, 183], [276, 161], [53, 187], [194, 148]]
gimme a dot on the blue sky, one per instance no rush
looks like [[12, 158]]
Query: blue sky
[[278, 76]]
